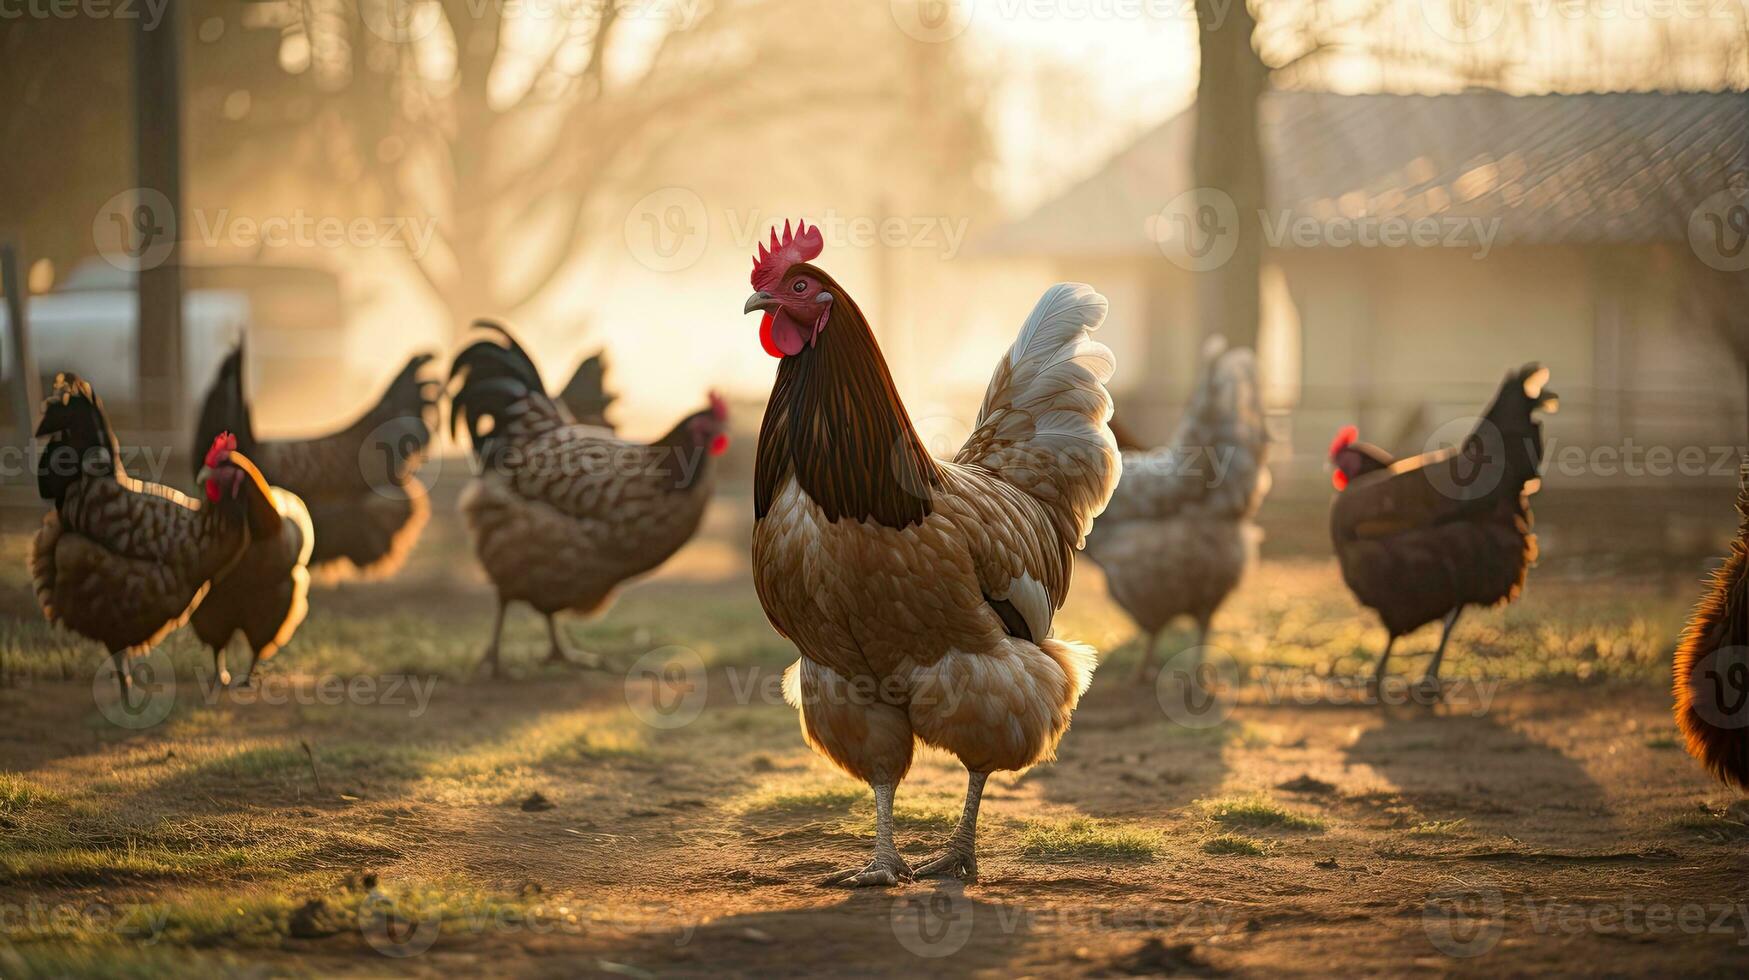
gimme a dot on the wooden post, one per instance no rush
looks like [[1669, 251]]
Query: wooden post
[[158, 153], [26, 391]]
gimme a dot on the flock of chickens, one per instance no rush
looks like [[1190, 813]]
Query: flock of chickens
[[919, 592]]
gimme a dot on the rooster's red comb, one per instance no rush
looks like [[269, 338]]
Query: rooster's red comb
[[802, 245], [223, 446], [719, 408], [1345, 437]]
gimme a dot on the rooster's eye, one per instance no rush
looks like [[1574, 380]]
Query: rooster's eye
[[801, 286]]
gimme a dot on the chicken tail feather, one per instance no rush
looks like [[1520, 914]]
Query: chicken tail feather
[[1042, 426], [81, 443], [226, 409], [502, 386]]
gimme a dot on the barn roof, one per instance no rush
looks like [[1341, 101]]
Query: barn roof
[[1553, 169]]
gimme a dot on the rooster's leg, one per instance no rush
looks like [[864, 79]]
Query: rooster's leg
[[221, 676], [124, 677], [887, 868], [491, 657], [1427, 689], [961, 856], [1378, 671], [1147, 661], [563, 655]]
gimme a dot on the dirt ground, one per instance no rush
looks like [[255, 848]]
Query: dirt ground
[[663, 818]]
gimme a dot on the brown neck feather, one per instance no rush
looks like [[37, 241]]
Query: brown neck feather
[[263, 514], [835, 421]]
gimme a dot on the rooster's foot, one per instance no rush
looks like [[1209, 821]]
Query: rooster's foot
[[958, 861], [885, 871], [580, 659]]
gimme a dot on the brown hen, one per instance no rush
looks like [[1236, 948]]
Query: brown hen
[[563, 513], [921, 593], [365, 502], [264, 596], [119, 560]]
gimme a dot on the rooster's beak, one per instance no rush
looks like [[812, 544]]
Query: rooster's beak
[[206, 473], [761, 300]]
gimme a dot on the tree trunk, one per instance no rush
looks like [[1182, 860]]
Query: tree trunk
[[158, 147], [1228, 157]]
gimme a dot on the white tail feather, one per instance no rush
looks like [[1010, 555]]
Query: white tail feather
[[1043, 422]]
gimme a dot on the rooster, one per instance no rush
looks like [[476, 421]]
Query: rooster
[[1711, 677], [264, 595], [920, 593], [122, 561], [365, 503], [1420, 539], [1178, 536], [563, 513]]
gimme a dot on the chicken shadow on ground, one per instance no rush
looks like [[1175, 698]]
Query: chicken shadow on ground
[[1484, 771], [932, 929]]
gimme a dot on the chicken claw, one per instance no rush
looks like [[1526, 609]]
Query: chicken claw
[[885, 871], [887, 868], [955, 862], [564, 656], [960, 859]]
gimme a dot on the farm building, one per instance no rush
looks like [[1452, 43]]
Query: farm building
[[1417, 246]]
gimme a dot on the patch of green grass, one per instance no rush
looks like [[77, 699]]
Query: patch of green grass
[[1258, 813], [18, 794], [1663, 742], [1087, 838], [41, 961], [86, 842], [790, 800], [1234, 845]]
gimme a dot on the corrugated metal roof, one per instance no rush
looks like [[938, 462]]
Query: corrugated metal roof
[[1552, 169]]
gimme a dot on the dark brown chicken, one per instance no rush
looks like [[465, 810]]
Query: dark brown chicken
[[562, 514], [1420, 539], [122, 561], [264, 595], [365, 503], [1711, 677]]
